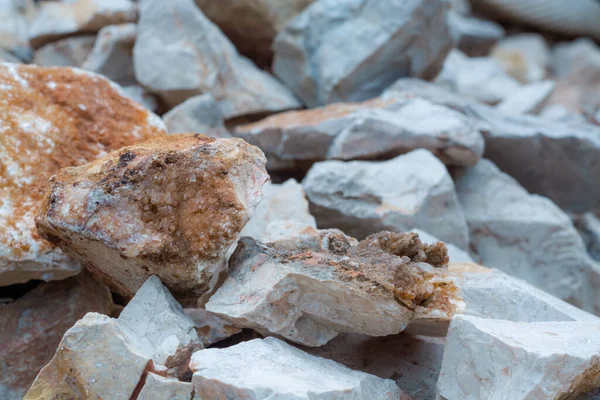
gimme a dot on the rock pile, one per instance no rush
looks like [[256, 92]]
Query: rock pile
[[310, 215]]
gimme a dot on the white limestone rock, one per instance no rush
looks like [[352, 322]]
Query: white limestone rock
[[526, 236], [157, 387], [505, 360], [141, 96], [13, 29], [528, 99], [351, 50], [272, 369], [588, 225], [407, 192], [456, 254], [67, 52], [525, 56], [197, 114], [475, 37], [58, 19], [210, 327], [179, 53]]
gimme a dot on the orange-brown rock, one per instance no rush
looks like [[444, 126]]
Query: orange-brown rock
[[169, 207], [52, 118], [34, 324]]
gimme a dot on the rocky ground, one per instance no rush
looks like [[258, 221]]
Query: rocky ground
[[299, 199]]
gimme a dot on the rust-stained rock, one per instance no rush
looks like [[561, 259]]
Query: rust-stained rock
[[324, 284], [34, 324], [169, 207], [52, 118], [210, 327]]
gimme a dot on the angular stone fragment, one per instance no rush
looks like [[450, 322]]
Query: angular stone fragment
[[588, 225], [271, 368], [480, 78], [528, 99], [169, 207], [252, 25], [526, 236], [525, 57], [475, 37], [380, 128], [157, 387], [179, 53], [210, 327], [13, 30], [409, 191], [324, 284], [490, 293], [57, 19], [197, 114], [455, 254], [351, 50], [112, 55], [68, 52], [76, 117], [496, 359], [284, 202], [33, 325]]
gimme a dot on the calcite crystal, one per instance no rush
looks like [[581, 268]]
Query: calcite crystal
[[324, 284], [52, 118], [169, 207]]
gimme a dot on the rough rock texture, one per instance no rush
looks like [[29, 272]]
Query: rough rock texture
[[210, 327], [311, 290], [526, 56], [490, 293], [76, 117], [528, 99], [179, 53], [588, 225], [379, 128], [409, 191], [169, 207], [155, 317], [480, 78], [33, 325], [455, 254], [252, 25], [157, 387], [414, 362], [284, 202], [271, 368], [351, 50], [57, 19], [68, 52], [475, 37], [526, 236], [495, 359], [197, 114], [112, 55]]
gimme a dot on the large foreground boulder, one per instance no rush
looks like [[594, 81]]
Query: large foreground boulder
[[53, 118], [169, 207]]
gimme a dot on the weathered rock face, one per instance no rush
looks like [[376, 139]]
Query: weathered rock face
[[252, 25], [34, 324], [490, 293], [197, 114], [378, 128], [179, 53], [68, 52], [311, 290], [169, 207], [352, 50], [112, 55], [455, 254], [158, 387], [487, 358], [280, 203], [526, 56], [474, 36], [271, 368], [528, 99], [588, 225], [362, 198], [210, 327], [526, 236], [13, 31], [63, 18], [77, 117]]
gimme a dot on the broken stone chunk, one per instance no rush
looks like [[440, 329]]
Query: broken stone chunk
[[33, 325], [475, 37], [139, 95], [528, 99], [169, 207], [311, 290], [489, 358], [407, 192], [197, 114], [77, 116], [455, 254], [271, 368], [526, 236], [525, 57], [68, 52], [210, 327], [13, 30], [588, 225], [352, 50], [57, 19], [179, 53], [157, 387]]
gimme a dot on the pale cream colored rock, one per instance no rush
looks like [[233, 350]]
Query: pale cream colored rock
[[210, 327], [528, 99], [57, 19], [157, 387], [197, 114], [13, 29], [67, 52], [78, 116], [272, 369], [319, 285], [525, 56], [505, 360], [169, 207]]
